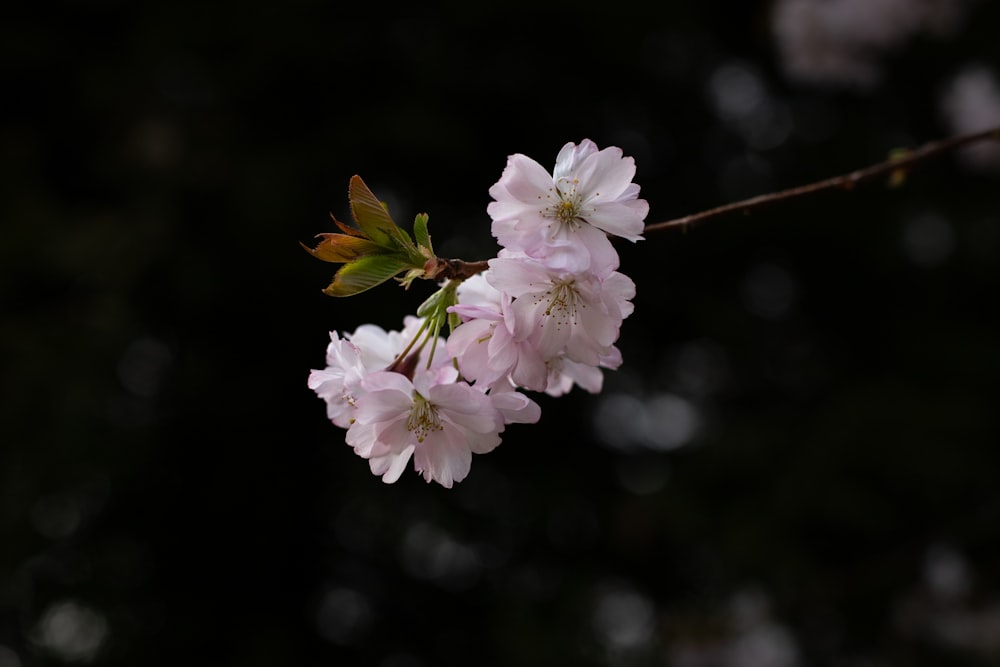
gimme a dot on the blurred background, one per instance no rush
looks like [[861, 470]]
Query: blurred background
[[795, 466]]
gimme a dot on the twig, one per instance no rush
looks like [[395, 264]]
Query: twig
[[441, 269], [452, 269], [893, 165]]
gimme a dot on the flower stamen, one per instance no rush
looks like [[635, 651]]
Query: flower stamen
[[563, 300], [423, 418], [569, 209]]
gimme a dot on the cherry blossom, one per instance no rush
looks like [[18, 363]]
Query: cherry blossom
[[349, 359], [558, 312], [435, 419], [484, 346], [543, 317], [564, 373], [339, 383], [565, 217], [515, 407]]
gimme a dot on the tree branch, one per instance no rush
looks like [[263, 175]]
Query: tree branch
[[439, 268], [897, 164]]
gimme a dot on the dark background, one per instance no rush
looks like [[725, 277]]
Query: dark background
[[795, 465]]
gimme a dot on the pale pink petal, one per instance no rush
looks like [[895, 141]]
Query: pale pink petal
[[566, 373], [394, 433], [427, 381], [445, 458], [391, 466], [503, 351], [471, 312], [507, 212], [570, 156], [477, 291], [530, 371], [599, 326], [523, 180], [320, 377], [483, 443], [388, 381], [618, 219], [606, 175], [382, 405], [469, 345], [366, 440], [376, 346], [465, 406], [515, 407], [517, 276], [611, 358]]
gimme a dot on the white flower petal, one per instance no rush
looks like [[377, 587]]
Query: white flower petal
[[618, 219], [390, 467], [523, 180], [446, 459]]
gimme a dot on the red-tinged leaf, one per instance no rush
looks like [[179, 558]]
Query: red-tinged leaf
[[365, 273], [347, 229], [343, 248], [371, 216]]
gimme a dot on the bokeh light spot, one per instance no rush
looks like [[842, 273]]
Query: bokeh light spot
[[928, 240], [344, 616], [71, 631]]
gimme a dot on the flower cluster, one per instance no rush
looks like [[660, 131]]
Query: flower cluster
[[544, 317]]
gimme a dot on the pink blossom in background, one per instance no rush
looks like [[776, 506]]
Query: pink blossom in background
[[970, 102], [842, 42]]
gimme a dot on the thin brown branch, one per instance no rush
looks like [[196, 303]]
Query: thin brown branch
[[440, 269], [452, 269], [898, 164]]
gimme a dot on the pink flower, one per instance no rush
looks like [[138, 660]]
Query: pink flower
[[564, 218], [560, 313], [564, 373], [435, 419], [339, 383], [484, 346], [349, 359], [544, 317], [515, 407]]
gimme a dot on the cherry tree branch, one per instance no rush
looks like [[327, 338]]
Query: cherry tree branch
[[453, 269], [898, 164], [440, 269]]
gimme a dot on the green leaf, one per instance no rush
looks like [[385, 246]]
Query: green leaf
[[430, 305], [436, 305], [373, 218], [365, 273], [420, 232], [410, 276]]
